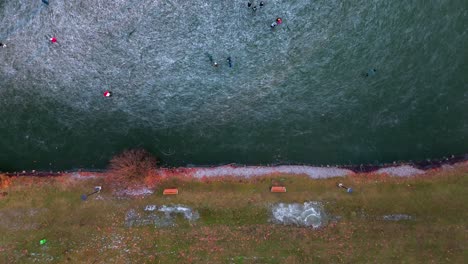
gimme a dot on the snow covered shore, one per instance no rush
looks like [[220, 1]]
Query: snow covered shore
[[402, 170]]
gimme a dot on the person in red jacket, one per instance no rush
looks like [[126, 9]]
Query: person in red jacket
[[107, 93], [278, 21], [53, 39]]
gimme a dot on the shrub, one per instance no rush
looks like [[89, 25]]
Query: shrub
[[5, 181], [134, 164]]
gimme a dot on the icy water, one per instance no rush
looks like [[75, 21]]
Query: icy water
[[295, 94]]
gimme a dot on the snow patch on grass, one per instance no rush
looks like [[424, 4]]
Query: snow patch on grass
[[310, 214], [397, 217], [159, 216], [251, 171], [400, 171], [135, 192]]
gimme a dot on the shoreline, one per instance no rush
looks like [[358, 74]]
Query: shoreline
[[403, 169]]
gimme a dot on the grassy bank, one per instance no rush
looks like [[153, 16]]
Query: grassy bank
[[233, 225]]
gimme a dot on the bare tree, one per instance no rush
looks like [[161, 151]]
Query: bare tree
[[133, 164]]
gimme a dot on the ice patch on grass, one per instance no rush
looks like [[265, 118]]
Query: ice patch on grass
[[79, 176], [135, 192], [397, 217], [150, 208], [188, 213], [41, 257], [159, 216], [310, 214], [400, 171], [250, 171], [134, 218], [447, 167], [98, 197]]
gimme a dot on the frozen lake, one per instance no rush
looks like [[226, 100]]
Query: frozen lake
[[303, 92]]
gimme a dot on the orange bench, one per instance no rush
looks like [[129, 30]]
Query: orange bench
[[278, 189], [173, 191]]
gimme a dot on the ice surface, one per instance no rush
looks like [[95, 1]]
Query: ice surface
[[294, 94]]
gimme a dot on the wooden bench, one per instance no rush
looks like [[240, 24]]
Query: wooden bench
[[278, 189], [172, 191]]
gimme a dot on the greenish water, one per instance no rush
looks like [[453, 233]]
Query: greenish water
[[295, 94]]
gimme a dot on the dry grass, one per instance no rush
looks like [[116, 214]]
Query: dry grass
[[234, 224]]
